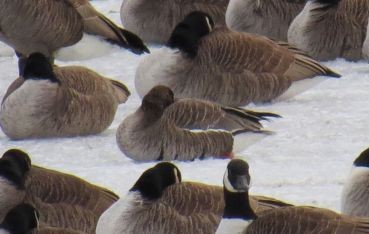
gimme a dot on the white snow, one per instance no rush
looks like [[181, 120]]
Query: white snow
[[305, 162]]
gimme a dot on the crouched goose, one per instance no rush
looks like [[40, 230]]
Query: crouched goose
[[154, 21], [239, 216], [160, 203], [138, 135], [328, 29], [59, 101], [224, 66]]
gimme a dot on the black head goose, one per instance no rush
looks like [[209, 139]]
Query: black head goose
[[155, 21], [239, 217], [264, 17], [63, 201], [46, 26], [327, 29], [22, 219], [355, 196], [141, 211], [137, 135], [59, 101], [224, 66]]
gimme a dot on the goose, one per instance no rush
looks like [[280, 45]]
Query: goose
[[46, 26], [155, 21], [355, 196], [59, 101], [328, 29], [220, 65], [159, 202], [239, 217], [268, 18], [137, 136], [22, 219], [63, 201]]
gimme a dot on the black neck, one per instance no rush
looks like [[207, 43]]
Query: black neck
[[238, 206]]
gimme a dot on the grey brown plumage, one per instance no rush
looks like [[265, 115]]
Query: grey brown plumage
[[63, 201], [329, 29], [155, 21], [78, 102], [230, 68], [137, 134], [268, 18]]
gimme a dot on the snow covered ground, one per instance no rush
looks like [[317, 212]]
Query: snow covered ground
[[305, 162]]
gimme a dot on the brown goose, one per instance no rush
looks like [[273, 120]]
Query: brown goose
[[137, 135], [63, 201], [239, 217], [154, 21], [355, 195], [59, 101], [224, 66], [264, 17], [45, 26], [327, 29], [160, 203]]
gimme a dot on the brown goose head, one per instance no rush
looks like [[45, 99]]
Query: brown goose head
[[157, 100], [21, 219], [187, 34], [38, 67], [155, 180]]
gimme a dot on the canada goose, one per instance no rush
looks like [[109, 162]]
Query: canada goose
[[155, 21], [46, 26], [355, 195], [239, 217], [268, 18], [224, 66], [22, 219], [59, 101], [63, 201], [137, 135], [327, 29]]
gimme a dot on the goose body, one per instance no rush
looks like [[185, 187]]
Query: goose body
[[137, 134], [224, 66], [46, 26], [268, 18], [65, 203], [355, 195], [155, 21], [296, 219], [74, 101], [327, 30]]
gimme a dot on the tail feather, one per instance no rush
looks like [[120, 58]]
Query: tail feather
[[121, 91], [253, 116]]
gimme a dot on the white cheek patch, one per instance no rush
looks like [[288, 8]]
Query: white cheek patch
[[209, 24], [227, 184], [37, 220], [176, 175]]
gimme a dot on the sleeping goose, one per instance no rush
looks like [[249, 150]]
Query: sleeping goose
[[22, 219], [224, 66], [239, 217], [59, 101], [355, 196], [328, 29], [46, 26], [160, 203], [137, 135], [264, 17], [154, 21], [63, 201]]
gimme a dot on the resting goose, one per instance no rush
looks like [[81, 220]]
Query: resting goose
[[224, 66], [239, 217], [355, 196], [59, 101], [328, 29], [46, 26], [22, 219], [137, 135], [63, 201], [154, 21], [264, 17]]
